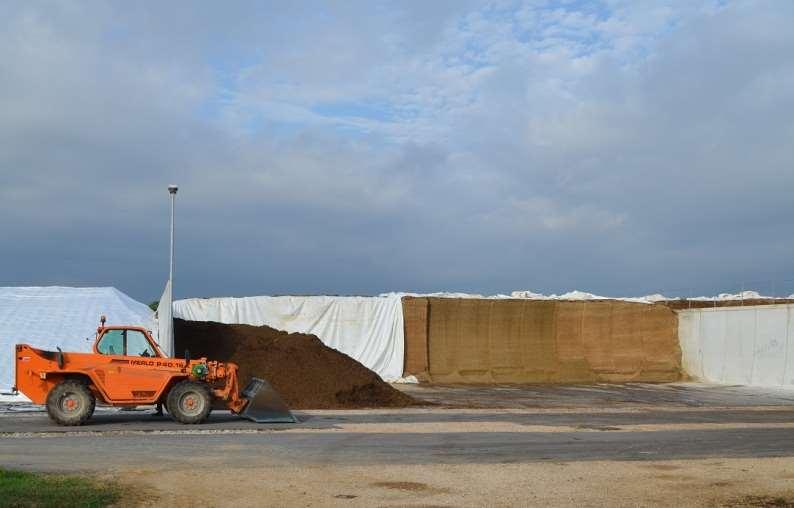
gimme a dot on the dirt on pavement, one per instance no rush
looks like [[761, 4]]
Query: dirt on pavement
[[307, 373]]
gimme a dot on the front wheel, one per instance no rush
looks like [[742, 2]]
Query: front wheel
[[70, 402], [189, 402]]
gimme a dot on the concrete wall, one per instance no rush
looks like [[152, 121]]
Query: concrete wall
[[530, 341], [739, 345]]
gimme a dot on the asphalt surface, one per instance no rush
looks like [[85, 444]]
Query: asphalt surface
[[88, 453], [107, 422], [585, 423], [639, 395]]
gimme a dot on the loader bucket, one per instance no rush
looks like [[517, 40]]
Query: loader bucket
[[264, 404]]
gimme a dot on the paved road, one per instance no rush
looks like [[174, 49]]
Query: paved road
[[649, 422], [639, 395], [114, 422], [91, 453]]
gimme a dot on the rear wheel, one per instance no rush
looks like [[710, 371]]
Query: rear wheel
[[189, 402], [70, 403]]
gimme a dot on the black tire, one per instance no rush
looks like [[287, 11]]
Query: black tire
[[189, 402], [70, 402]]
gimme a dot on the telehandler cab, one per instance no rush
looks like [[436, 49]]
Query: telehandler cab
[[127, 369]]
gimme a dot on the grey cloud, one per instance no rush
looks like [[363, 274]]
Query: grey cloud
[[663, 165]]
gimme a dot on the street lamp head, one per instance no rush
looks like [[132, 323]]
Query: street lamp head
[[172, 189]]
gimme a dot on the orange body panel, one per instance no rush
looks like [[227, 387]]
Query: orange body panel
[[118, 379]]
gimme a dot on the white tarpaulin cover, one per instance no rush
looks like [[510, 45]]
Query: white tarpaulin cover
[[577, 295], [368, 329], [163, 316], [751, 345], [47, 317]]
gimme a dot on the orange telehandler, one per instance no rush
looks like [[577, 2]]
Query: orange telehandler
[[127, 369]]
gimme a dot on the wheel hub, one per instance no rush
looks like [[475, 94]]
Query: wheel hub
[[191, 404], [70, 403]]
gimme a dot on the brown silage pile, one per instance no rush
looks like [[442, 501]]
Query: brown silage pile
[[307, 373]]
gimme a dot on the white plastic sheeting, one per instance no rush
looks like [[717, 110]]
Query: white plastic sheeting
[[574, 295], [12, 398], [165, 322], [50, 317], [752, 345], [368, 329], [577, 295]]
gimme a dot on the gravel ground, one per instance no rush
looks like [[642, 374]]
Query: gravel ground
[[714, 482]]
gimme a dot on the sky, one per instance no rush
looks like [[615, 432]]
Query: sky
[[360, 147]]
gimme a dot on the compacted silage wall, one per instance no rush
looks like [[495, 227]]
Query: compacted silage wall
[[539, 341]]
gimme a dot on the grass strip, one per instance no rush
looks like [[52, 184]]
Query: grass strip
[[21, 489]]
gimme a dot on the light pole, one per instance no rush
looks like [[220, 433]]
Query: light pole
[[172, 191]]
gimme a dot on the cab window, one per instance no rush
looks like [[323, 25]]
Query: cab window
[[126, 343], [112, 343], [137, 345]]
